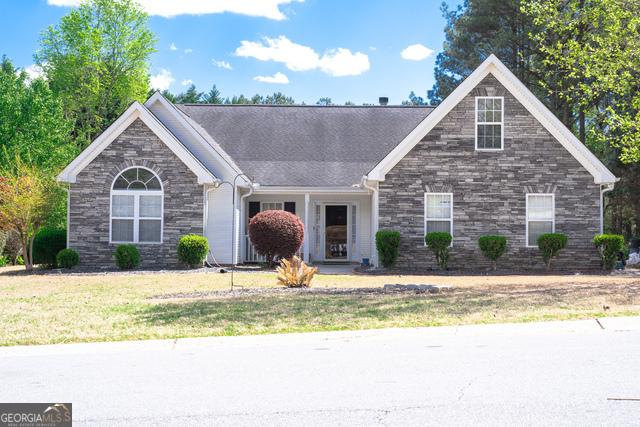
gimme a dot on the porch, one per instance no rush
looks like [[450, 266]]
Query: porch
[[338, 225]]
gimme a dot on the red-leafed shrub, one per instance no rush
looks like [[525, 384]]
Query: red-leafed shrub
[[276, 234]]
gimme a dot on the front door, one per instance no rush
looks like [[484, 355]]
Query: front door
[[336, 233]]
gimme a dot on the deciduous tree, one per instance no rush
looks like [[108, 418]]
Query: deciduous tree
[[27, 199], [97, 61]]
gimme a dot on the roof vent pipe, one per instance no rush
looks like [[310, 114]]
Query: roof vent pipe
[[383, 100]]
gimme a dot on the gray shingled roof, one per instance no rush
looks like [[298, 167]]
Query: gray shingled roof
[[306, 145]]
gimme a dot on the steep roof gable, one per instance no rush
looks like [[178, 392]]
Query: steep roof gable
[[135, 111], [492, 65]]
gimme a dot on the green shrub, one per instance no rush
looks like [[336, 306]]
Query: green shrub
[[3, 261], [493, 247], [439, 242], [67, 258], [387, 245], [609, 246], [193, 249], [127, 257], [47, 244], [550, 245]]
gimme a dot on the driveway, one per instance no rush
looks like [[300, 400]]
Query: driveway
[[557, 373]]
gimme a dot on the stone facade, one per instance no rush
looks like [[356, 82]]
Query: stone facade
[[90, 199], [489, 190]]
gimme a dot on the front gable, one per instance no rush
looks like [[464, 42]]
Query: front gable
[[462, 101], [135, 112]]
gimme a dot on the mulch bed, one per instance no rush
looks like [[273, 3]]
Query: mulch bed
[[250, 292]]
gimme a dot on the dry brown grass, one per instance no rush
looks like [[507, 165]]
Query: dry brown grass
[[50, 308]]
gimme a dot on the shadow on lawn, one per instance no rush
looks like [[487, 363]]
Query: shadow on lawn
[[341, 311]]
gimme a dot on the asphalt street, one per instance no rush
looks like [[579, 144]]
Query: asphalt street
[[557, 373]]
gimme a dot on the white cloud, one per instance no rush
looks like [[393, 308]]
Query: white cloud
[[341, 62], [269, 9], [297, 57], [186, 82], [416, 52], [373, 48], [34, 71], [172, 46], [188, 51], [277, 78], [162, 80], [222, 64]]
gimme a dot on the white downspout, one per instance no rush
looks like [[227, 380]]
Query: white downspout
[[604, 188], [374, 219]]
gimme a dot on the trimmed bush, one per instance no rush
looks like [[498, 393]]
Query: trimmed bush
[[193, 249], [276, 233], [67, 258], [47, 244], [3, 261], [609, 246], [387, 245], [439, 242], [127, 257], [493, 247], [550, 245]]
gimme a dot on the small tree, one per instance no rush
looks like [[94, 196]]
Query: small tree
[[493, 247], [27, 199], [439, 242], [276, 233], [387, 244], [550, 245], [609, 246]]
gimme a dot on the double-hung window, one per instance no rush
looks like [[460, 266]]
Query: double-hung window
[[540, 216], [136, 207], [489, 123], [438, 212]]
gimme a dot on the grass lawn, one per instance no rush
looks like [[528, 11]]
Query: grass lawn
[[45, 309]]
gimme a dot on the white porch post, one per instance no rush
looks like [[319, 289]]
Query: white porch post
[[237, 212], [374, 225], [305, 245]]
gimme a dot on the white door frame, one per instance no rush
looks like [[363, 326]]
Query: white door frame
[[323, 234]]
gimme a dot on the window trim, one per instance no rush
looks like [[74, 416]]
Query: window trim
[[489, 123], [426, 194], [526, 216], [263, 202], [136, 209]]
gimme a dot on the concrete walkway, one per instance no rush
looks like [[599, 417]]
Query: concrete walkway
[[556, 373]]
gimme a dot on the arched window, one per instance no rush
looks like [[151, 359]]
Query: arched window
[[136, 207]]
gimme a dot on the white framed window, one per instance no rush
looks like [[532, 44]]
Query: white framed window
[[137, 204], [438, 212], [540, 217], [271, 206], [489, 123]]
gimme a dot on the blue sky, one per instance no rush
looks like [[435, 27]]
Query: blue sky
[[345, 50]]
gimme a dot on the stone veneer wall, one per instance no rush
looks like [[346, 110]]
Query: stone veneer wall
[[489, 190], [89, 203]]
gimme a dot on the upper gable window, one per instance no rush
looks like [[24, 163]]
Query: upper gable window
[[489, 122]]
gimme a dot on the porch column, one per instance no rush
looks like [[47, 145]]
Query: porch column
[[305, 245], [374, 224]]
